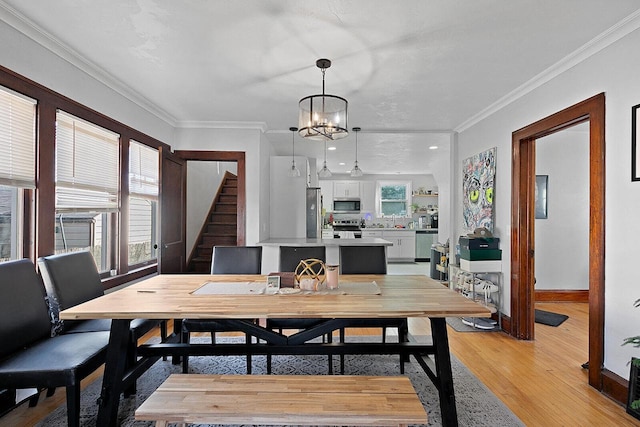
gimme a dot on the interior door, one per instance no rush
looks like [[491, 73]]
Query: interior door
[[173, 189]]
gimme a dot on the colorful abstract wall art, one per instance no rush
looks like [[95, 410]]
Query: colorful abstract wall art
[[478, 180]]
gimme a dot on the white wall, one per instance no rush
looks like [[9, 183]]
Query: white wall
[[562, 240], [203, 181], [28, 58], [612, 70], [288, 200]]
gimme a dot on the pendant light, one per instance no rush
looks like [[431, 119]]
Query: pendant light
[[293, 171], [356, 171], [323, 117], [325, 172]]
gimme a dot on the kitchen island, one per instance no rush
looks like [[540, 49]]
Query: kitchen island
[[271, 248]]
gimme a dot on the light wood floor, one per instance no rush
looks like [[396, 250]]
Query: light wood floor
[[541, 381]]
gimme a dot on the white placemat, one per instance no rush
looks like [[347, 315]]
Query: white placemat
[[257, 288], [351, 288], [231, 288]]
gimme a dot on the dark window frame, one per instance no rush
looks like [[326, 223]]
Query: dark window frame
[[39, 210]]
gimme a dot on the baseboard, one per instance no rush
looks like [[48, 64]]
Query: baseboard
[[615, 387], [562, 296], [506, 323]]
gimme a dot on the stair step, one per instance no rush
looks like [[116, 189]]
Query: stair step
[[227, 208], [204, 251], [229, 191], [218, 240], [225, 217], [222, 229], [228, 198]]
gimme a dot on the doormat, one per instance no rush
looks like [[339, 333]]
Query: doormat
[[549, 318]]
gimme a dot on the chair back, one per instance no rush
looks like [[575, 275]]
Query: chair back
[[71, 278], [363, 260], [290, 256], [24, 315], [236, 260]]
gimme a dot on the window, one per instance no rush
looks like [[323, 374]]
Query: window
[[87, 172], [393, 198], [143, 203], [17, 167]]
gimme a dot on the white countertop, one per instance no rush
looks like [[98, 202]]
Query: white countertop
[[365, 241], [435, 230]]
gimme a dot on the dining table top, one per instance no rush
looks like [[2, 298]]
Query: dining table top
[[168, 296]]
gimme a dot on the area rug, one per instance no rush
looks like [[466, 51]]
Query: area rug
[[458, 326], [549, 318], [476, 405]]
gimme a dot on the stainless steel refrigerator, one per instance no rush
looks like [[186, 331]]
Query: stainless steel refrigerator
[[314, 213]]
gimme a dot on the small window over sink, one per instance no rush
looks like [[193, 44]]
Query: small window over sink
[[393, 198]]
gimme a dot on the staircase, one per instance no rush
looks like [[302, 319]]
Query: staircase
[[219, 227]]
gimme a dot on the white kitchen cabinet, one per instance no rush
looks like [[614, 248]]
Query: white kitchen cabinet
[[372, 234], [326, 189], [368, 197], [404, 245], [327, 233], [346, 189]]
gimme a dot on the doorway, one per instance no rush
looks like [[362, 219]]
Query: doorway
[[226, 156], [592, 111]]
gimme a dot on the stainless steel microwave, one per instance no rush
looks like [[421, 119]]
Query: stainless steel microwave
[[346, 205]]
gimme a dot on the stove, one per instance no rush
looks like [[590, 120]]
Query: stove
[[343, 228]]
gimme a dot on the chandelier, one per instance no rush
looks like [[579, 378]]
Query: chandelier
[[323, 116]]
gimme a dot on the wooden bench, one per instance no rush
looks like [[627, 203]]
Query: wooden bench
[[284, 400]]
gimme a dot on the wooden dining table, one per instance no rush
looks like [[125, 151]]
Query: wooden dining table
[[177, 297]]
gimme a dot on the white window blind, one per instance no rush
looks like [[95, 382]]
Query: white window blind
[[143, 170], [86, 166], [17, 140]]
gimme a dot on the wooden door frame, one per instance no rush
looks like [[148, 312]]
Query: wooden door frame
[[172, 203], [522, 223], [227, 156]]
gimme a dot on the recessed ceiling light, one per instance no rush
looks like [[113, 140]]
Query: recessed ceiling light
[[433, 147], [331, 148], [341, 164]]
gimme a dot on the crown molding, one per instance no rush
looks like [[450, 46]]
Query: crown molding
[[194, 124], [385, 131], [595, 45], [27, 27]]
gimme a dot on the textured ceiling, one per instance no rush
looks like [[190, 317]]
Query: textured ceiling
[[412, 70]]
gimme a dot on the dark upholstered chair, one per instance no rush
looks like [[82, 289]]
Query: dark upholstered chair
[[236, 260], [224, 260], [290, 257], [73, 278], [363, 260], [29, 356], [369, 260]]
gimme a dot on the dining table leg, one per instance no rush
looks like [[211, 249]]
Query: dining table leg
[[444, 375], [114, 368]]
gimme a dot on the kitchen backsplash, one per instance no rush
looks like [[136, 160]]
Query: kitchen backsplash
[[371, 222]]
